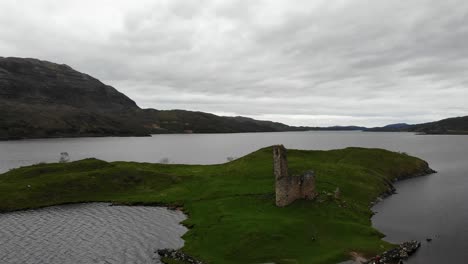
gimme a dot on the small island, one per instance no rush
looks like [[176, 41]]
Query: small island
[[231, 208]]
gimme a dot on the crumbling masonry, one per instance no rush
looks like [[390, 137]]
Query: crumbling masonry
[[290, 188]]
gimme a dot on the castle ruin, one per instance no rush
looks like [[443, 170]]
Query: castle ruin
[[290, 188]]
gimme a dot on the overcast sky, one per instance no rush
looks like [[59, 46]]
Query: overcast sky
[[318, 63]]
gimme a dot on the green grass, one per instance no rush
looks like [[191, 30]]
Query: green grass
[[232, 215]]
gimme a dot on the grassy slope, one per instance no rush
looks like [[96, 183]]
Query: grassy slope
[[231, 208]]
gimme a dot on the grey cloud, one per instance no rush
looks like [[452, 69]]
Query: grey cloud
[[363, 62]]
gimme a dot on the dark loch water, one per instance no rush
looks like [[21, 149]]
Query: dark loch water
[[89, 233], [435, 206]]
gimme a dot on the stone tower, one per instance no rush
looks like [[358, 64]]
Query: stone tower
[[290, 188]]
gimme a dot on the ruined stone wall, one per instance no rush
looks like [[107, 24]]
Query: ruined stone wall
[[290, 188], [280, 162]]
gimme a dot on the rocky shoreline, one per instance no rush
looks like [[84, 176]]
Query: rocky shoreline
[[177, 255], [392, 256], [402, 252], [391, 190], [425, 172], [406, 249]]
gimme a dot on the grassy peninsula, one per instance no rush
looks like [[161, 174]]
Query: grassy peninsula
[[231, 208]]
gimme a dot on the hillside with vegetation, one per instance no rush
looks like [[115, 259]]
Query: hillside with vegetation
[[400, 127], [40, 99], [232, 217], [455, 125], [449, 126]]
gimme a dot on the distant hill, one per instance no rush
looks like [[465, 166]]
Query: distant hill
[[338, 128], [399, 127], [456, 125], [40, 99]]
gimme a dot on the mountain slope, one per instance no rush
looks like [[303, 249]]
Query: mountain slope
[[41, 99], [32, 81], [455, 125]]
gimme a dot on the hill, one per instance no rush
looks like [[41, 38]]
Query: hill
[[399, 127], [456, 126], [231, 207], [338, 128], [40, 99]]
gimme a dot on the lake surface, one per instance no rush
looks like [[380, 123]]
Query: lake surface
[[427, 207], [89, 233]]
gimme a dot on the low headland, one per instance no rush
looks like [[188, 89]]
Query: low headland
[[232, 217]]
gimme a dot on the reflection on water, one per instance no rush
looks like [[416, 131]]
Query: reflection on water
[[89, 233]]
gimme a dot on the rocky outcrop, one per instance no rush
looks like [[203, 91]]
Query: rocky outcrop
[[402, 252], [177, 255], [426, 170]]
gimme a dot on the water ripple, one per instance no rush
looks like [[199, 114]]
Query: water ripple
[[88, 233]]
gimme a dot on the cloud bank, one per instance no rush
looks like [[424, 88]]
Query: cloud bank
[[317, 63]]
